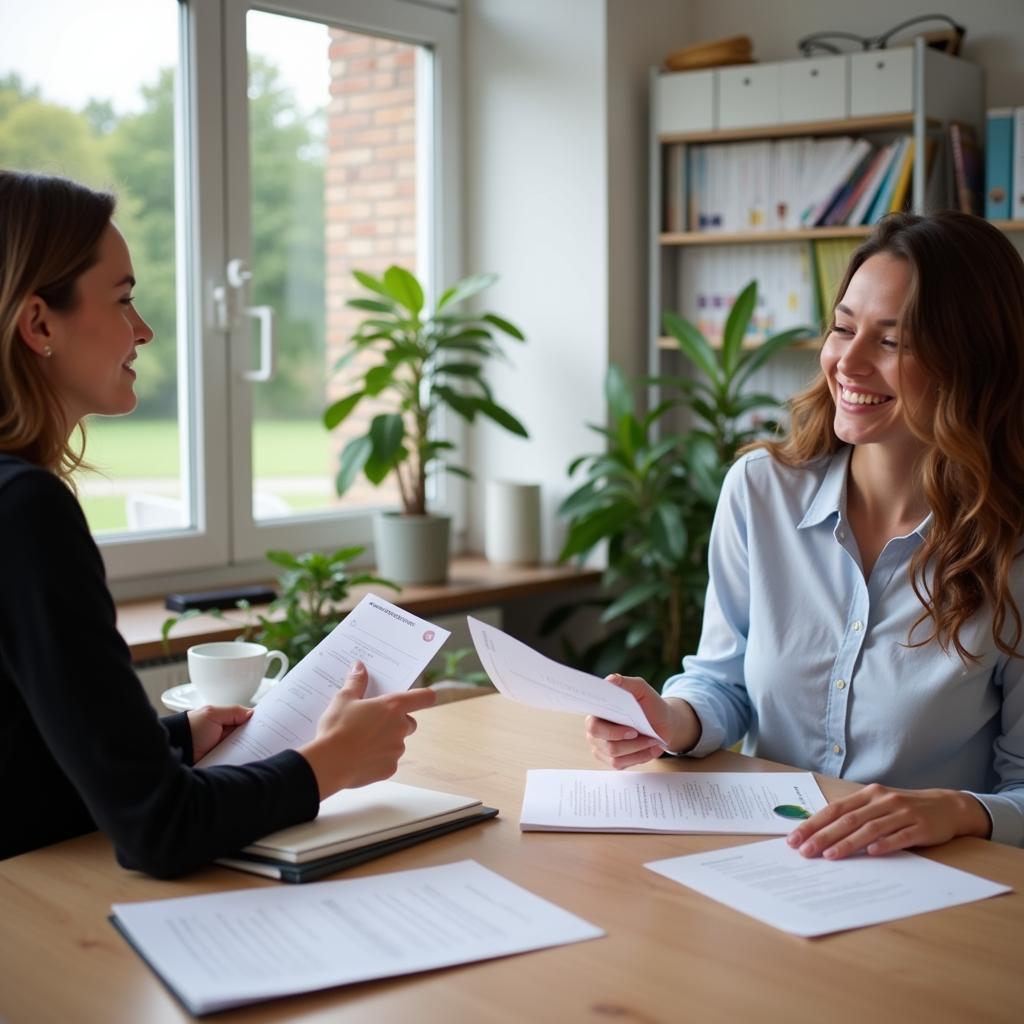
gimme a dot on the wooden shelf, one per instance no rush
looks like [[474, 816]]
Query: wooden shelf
[[670, 343], [754, 237], [1009, 226], [473, 582], [850, 125]]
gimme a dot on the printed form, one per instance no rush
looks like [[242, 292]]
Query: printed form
[[812, 896], [393, 644], [525, 675], [740, 803], [228, 949]]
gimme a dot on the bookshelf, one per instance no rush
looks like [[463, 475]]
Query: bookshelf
[[881, 95]]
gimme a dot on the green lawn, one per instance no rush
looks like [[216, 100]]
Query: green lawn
[[123, 448], [126, 449]]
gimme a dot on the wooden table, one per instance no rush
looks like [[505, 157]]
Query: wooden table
[[670, 955]]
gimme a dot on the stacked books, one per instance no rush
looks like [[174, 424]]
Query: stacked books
[[357, 825], [787, 184]]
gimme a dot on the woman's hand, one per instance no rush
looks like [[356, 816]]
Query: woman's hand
[[621, 746], [358, 739], [210, 725], [880, 820]]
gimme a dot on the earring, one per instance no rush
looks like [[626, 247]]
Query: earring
[[47, 352]]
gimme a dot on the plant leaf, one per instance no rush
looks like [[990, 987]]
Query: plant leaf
[[633, 597], [386, 432], [371, 305], [371, 283], [336, 413], [589, 531], [668, 532], [404, 289], [500, 416], [503, 325], [618, 393], [736, 325], [692, 344], [462, 290], [353, 458], [755, 358]]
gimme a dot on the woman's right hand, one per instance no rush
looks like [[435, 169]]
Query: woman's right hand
[[621, 746], [360, 739]]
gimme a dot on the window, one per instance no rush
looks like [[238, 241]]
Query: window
[[259, 154]]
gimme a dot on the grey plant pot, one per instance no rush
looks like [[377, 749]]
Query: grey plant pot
[[412, 549]]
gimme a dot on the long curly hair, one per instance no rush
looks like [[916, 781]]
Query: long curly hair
[[50, 230], [965, 315]]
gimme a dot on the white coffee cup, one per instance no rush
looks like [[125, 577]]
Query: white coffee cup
[[230, 672]]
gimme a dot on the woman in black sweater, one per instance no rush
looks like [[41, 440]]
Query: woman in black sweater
[[80, 746]]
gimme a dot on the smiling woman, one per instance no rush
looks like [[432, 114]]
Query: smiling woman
[[89, 349], [863, 617], [77, 730]]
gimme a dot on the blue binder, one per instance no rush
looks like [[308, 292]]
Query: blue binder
[[999, 164]]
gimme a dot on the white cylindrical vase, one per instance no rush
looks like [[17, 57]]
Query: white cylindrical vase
[[512, 523]]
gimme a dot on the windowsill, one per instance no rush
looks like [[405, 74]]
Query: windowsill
[[472, 582]]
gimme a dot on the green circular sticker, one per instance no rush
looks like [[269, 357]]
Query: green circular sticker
[[792, 811]]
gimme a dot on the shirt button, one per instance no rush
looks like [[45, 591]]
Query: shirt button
[[840, 684], [858, 626], [836, 749]]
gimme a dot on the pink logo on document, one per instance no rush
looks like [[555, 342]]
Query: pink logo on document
[[429, 635]]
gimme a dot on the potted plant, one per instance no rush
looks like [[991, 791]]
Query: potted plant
[[454, 679], [428, 360], [312, 589], [651, 496]]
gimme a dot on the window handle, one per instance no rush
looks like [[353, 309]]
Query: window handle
[[238, 278]]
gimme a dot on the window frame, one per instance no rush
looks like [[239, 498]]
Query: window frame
[[212, 223]]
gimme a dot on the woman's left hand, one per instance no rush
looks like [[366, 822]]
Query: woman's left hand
[[879, 819], [210, 725]]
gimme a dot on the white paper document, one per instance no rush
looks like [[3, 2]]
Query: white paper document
[[773, 883], [395, 646], [742, 803], [229, 949], [526, 676]]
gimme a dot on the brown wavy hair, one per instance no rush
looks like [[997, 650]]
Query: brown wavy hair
[[965, 315], [50, 229]]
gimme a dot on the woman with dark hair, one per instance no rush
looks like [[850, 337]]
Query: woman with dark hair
[[863, 615], [80, 746]]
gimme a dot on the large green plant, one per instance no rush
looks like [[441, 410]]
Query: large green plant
[[651, 494], [429, 360]]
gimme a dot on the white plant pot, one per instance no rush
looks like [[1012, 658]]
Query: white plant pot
[[411, 549]]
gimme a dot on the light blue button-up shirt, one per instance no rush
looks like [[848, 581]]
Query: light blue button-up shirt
[[808, 662]]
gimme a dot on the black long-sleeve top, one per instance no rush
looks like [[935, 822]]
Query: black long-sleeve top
[[80, 745]]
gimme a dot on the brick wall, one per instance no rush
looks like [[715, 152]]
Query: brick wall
[[370, 201]]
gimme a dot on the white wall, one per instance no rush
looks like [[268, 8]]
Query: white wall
[[555, 126]]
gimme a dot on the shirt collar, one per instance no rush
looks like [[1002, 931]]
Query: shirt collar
[[831, 497]]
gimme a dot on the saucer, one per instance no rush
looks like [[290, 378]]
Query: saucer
[[186, 697]]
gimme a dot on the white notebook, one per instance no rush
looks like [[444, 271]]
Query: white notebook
[[352, 818]]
